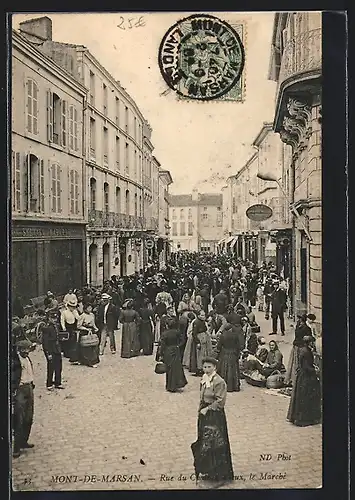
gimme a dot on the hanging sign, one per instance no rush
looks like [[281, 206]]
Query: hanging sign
[[149, 243], [259, 212]]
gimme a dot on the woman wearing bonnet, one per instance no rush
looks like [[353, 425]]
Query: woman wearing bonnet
[[211, 451]]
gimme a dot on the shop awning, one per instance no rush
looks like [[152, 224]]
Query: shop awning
[[221, 241], [235, 239], [229, 240]]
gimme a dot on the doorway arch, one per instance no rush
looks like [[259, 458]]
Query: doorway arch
[[93, 263], [106, 261]]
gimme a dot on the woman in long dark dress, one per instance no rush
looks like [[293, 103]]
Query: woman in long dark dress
[[146, 332], [301, 330], [88, 355], [169, 353], [211, 451], [228, 352], [305, 404], [199, 327], [129, 319]]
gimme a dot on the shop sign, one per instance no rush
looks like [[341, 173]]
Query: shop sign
[[259, 212], [149, 243]]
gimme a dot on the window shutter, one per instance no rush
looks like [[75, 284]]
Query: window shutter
[[59, 189], [75, 129], [35, 108], [50, 115], [13, 179], [41, 186], [64, 123], [26, 181], [18, 182], [54, 188], [76, 194]]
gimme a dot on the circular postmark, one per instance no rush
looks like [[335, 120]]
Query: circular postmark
[[201, 57]]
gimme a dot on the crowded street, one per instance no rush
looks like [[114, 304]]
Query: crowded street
[[139, 433]]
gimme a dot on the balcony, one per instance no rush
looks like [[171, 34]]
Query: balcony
[[99, 219], [301, 67]]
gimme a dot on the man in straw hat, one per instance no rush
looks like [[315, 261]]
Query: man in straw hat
[[22, 393]]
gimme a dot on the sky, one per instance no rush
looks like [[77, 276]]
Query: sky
[[200, 143]]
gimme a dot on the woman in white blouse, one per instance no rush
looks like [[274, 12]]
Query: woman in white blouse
[[68, 320]]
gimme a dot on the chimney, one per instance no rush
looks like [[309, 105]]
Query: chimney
[[40, 27], [194, 195]]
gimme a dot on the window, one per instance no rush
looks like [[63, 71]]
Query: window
[[205, 209], [126, 119], [127, 159], [140, 207], [73, 128], [190, 229], [92, 136], [218, 209], [117, 112], [135, 129], [106, 198], [175, 229], [182, 228], [118, 152], [34, 175], [205, 216], [64, 123], [190, 213], [136, 205], [174, 213], [56, 118], [127, 202], [135, 165], [16, 182], [104, 98], [74, 192], [92, 193], [32, 107], [56, 189], [105, 145], [234, 206], [182, 213], [92, 88]]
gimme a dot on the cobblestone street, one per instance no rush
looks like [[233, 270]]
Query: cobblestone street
[[115, 427]]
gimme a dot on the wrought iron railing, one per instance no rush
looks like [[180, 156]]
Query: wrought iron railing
[[302, 54]]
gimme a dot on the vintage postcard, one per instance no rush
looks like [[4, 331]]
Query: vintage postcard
[[166, 250]]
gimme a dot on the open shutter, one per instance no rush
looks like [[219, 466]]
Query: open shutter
[[71, 130], [13, 180], [71, 192], [64, 122], [34, 108], [76, 193], [26, 176], [18, 182], [75, 118], [50, 115], [59, 189], [53, 171], [41, 186]]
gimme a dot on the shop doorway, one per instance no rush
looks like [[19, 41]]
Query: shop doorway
[[106, 261], [93, 263]]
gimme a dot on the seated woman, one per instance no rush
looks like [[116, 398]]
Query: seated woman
[[274, 360], [88, 355], [262, 351]]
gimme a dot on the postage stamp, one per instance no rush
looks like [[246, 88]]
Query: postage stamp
[[202, 57]]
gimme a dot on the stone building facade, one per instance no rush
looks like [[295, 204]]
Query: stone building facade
[[48, 171], [296, 66]]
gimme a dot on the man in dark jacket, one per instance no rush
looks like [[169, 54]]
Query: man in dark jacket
[[278, 307], [52, 352], [107, 318], [22, 395], [268, 290], [220, 302]]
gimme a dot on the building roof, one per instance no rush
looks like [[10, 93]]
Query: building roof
[[185, 200], [211, 199], [181, 200], [265, 129]]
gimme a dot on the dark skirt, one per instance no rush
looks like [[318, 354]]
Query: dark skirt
[[305, 404], [130, 341], [228, 369], [211, 451], [72, 344], [146, 337], [88, 355], [293, 364], [193, 357], [175, 376]]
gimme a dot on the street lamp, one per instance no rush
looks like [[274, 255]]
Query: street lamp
[[268, 176]]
